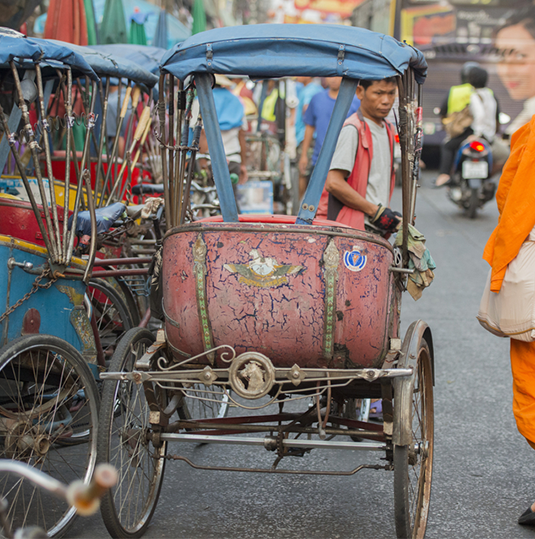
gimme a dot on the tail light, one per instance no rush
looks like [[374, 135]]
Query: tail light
[[396, 138], [477, 146]]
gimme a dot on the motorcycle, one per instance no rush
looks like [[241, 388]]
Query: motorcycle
[[472, 186]]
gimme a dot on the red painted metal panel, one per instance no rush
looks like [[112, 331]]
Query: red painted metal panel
[[18, 220], [266, 288]]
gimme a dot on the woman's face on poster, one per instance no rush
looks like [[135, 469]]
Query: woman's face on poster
[[517, 67]]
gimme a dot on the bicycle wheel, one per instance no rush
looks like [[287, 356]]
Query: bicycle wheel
[[111, 314], [204, 402], [124, 441], [47, 395], [413, 463]]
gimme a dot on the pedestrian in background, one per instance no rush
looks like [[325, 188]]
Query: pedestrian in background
[[316, 118], [232, 123], [306, 90]]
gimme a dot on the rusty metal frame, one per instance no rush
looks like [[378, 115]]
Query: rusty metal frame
[[282, 375], [277, 471], [278, 229]]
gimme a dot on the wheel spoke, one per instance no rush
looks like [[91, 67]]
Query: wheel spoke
[[40, 376]]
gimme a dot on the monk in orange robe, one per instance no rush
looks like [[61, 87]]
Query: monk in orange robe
[[516, 204]]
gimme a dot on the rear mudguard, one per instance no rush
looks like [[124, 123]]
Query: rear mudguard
[[475, 183], [419, 330]]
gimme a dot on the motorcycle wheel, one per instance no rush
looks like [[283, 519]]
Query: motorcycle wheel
[[473, 203]]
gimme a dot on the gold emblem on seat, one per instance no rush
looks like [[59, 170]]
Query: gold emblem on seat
[[263, 272]]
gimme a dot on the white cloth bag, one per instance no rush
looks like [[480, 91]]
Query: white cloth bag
[[511, 312]]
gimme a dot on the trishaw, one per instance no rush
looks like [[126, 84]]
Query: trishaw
[[295, 316], [48, 394], [127, 89], [57, 324]]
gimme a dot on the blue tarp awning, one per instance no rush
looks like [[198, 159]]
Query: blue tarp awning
[[148, 58], [108, 65], [32, 49], [272, 50]]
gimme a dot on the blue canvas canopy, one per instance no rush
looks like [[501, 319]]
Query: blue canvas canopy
[[113, 66], [24, 49], [148, 58], [273, 50]]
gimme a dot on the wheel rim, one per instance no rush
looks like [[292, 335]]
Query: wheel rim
[[110, 315], [203, 402], [420, 453], [44, 401], [139, 463]]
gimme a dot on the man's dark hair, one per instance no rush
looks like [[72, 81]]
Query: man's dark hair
[[478, 77], [367, 83]]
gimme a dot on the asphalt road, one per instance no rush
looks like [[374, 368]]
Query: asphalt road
[[483, 469]]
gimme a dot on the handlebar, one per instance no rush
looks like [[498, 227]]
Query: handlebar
[[85, 497]]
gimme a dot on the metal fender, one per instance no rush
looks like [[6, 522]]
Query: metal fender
[[402, 434], [474, 183]]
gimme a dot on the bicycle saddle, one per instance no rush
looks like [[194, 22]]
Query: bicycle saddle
[[105, 218]]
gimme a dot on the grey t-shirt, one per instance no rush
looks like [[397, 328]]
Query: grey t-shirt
[[378, 189], [112, 117]]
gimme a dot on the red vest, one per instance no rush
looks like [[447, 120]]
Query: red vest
[[358, 179]]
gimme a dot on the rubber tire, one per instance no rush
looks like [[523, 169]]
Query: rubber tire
[[129, 296], [69, 457], [109, 414], [200, 409], [127, 313], [473, 203], [405, 527]]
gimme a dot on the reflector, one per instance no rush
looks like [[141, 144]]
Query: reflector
[[477, 146]]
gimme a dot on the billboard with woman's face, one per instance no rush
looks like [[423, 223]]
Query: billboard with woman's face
[[515, 44], [498, 34]]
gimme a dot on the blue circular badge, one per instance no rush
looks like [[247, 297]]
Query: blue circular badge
[[354, 260]]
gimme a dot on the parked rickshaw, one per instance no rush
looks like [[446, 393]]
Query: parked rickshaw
[[48, 395], [127, 106], [272, 310]]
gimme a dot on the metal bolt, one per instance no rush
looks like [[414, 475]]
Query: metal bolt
[[11, 263]]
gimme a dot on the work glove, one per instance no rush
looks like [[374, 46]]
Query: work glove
[[386, 219]]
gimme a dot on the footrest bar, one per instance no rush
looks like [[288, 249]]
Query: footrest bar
[[268, 441]]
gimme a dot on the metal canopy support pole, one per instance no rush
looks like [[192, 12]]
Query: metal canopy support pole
[[308, 208], [220, 170], [13, 122], [407, 154]]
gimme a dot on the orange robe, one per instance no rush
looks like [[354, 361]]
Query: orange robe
[[516, 203]]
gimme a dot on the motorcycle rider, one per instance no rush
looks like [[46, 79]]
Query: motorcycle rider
[[485, 111]]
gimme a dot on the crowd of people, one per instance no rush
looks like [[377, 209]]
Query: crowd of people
[[308, 106]]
